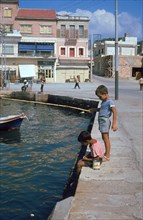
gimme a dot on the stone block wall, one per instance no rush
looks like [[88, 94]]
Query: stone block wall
[[105, 66]]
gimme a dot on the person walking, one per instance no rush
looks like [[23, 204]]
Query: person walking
[[42, 82], [77, 80]]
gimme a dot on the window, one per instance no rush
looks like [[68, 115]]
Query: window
[[63, 51], [7, 12], [8, 28], [80, 51], [45, 29], [49, 73], [26, 28], [72, 52], [9, 49], [81, 31], [63, 30], [72, 31]]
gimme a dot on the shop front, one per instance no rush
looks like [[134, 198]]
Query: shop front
[[46, 68]]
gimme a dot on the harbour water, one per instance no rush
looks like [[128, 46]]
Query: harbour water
[[35, 162]]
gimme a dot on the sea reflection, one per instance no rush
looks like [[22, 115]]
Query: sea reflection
[[10, 137]]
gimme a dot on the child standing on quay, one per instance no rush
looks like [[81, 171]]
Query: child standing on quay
[[96, 150], [105, 111]]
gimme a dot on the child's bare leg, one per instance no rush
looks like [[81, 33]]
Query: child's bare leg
[[80, 164], [105, 137]]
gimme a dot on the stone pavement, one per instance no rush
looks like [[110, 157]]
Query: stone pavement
[[115, 192]]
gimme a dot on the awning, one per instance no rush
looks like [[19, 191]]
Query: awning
[[35, 46], [25, 47], [27, 71], [45, 47]]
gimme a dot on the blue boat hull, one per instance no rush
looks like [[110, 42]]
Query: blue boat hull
[[11, 123]]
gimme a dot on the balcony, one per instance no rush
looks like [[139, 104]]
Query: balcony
[[37, 54], [70, 41]]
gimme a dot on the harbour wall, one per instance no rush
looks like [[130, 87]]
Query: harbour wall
[[56, 100]]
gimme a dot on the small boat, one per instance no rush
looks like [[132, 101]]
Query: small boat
[[11, 122]]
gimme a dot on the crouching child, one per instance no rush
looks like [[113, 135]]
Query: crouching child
[[96, 150]]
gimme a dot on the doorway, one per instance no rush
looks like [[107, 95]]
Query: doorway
[[137, 72]]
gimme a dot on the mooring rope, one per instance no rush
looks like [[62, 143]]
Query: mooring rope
[[44, 103]]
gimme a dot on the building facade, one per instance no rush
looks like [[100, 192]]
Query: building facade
[[130, 63], [36, 42], [72, 48]]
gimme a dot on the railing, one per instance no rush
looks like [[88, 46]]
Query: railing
[[37, 54]]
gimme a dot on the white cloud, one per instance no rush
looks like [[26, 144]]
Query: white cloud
[[103, 22], [130, 24]]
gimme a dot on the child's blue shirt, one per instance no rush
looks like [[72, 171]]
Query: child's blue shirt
[[105, 109]]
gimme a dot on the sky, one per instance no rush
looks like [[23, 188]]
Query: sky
[[101, 14]]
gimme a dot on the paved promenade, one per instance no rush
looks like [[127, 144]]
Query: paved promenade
[[115, 192]]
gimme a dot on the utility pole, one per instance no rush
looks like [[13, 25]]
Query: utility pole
[[92, 41], [3, 55], [116, 50], [3, 59], [91, 56]]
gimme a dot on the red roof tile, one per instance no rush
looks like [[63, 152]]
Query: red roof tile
[[36, 14], [9, 1]]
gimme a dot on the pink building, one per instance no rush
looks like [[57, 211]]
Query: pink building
[[72, 48]]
